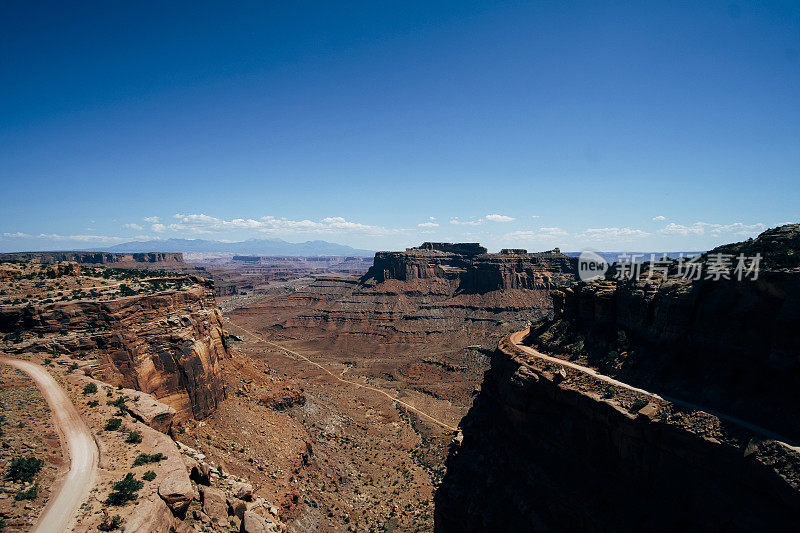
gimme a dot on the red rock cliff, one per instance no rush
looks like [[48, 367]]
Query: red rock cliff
[[168, 344]]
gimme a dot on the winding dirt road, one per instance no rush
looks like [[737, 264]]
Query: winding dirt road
[[517, 338], [78, 443]]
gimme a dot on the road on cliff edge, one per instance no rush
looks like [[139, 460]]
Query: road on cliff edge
[[516, 340], [79, 444]]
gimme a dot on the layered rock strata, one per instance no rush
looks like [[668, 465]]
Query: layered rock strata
[[168, 344], [541, 450]]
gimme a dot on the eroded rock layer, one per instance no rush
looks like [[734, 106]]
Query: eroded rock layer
[[434, 295], [168, 344], [538, 453]]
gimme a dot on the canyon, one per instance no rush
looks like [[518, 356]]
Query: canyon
[[672, 397], [438, 388]]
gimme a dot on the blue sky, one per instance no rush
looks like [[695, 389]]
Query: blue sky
[[618, 125]]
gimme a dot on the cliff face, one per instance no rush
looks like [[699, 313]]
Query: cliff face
[[168, 344], [97, 258], [439, 293], [467, 268], [682, 428], [727, 344], [540, 453]]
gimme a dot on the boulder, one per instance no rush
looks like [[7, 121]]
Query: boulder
[[200, 473], [155, 414], [152, 515], [214, 503], [237, 507], [243, 491], [255, 523], [177, 491]]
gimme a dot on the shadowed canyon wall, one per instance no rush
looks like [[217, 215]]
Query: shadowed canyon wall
[[549, 447], [538, 454]]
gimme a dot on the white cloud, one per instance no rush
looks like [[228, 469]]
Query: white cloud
[[202, 224], [702, 228], [85, 238], [612, 234], [535, 216], [16, 235], [499, 218], [541, 234], [158, 228], [428, 225], [659, 218], [152, 220], [137, 227], [458, 221]]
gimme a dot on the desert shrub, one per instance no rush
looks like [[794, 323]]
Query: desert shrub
[[90, 388], [143, 458], [110, 523], [609, 393], [93, 403], [30, 494], [134, 437], [149, 475], [73, 367], [125, 290], [637, 404], [119, 403], [24, 468], [125, 490], [113, 424]]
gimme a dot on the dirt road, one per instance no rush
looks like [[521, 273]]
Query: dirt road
[[78, 444]]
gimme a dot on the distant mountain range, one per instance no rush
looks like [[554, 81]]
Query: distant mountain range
[[248, 247]]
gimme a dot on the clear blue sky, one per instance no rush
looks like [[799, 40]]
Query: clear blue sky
[[618, 125]]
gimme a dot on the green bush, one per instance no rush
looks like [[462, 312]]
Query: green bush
[[24, 468], [93, 403], [113, 424], [637, 405], [125, 490], [143, 458], [110, 523], [29, 494], [90, 388], [134, 437], [149, 475], [73, 367], [125, 290], [119, 403]]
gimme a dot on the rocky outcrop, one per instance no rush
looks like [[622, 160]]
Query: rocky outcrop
[[539, 453], [98, 258], [548, 446], [168, 344], [469, 269], [429, 295], [727, 344]]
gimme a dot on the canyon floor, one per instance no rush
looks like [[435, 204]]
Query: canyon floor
[[344, 451]]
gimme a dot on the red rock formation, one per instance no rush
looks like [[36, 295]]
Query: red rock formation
[[538, 453], [167, 344], [99, 258]]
